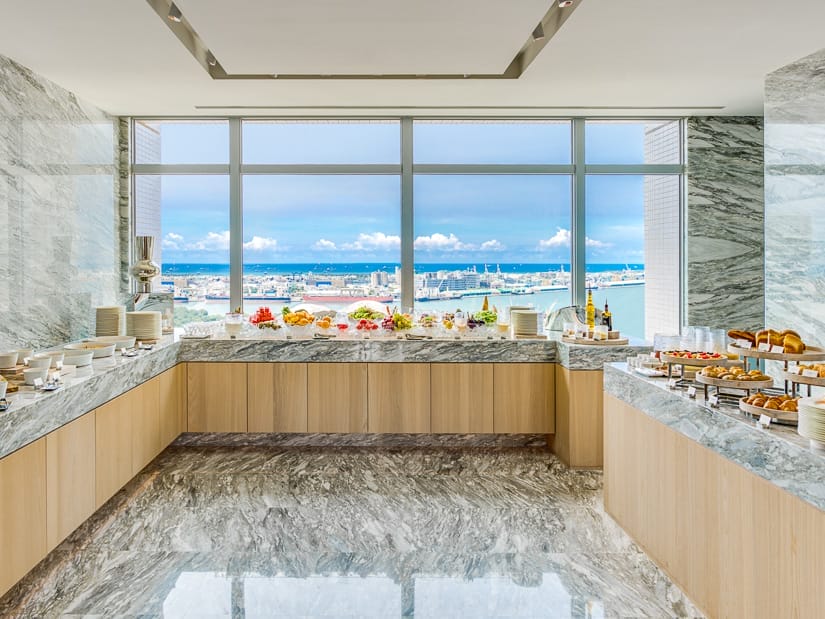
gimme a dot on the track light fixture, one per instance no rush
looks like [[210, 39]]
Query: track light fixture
[[174, 14], [565, 3], [538, 33]]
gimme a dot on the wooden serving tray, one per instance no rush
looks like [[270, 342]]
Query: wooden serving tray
[[782, 417], [812, 353], [618, 342], [749, 385], [724, 361], [793, 377]]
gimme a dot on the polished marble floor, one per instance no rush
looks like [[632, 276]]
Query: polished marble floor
[[280, 526]]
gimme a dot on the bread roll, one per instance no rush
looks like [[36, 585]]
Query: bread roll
[[735, 334], [776, 338], [762, 337], [793, 344]]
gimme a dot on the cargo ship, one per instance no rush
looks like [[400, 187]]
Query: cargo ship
[[344, 298]]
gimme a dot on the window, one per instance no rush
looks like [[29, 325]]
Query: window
[[501, 208], [329, 239], [505, 236]]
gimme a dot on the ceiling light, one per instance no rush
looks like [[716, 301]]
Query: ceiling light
[[565, 3], [538, 33], [174, 14], [210, 59]]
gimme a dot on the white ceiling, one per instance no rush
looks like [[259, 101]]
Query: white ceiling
[[612, 57]]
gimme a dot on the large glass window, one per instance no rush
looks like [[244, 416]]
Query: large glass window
[[319, 142], [181, 141], [328, 239], [502, 236], [492, 142], [319, 205], [189, 217]]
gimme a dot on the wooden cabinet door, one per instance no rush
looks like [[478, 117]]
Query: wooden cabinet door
[[337, 397], [462, 398], [172, 396], [22, 512], [398, 397], [523, 398], [277, 397], [145, 423], [216, 395], [113, 447], [70, 477]]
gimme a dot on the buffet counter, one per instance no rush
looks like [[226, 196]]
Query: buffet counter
[[65, 453], [735, 514]]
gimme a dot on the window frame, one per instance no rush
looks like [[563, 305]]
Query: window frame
[[578, 170]]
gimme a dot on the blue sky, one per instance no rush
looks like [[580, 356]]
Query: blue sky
[[509, 218]]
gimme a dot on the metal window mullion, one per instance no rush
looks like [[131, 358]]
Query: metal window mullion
[[407, 215], [577, 224], [179, 168], [235, 216]]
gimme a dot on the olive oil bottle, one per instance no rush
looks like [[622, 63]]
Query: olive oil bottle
[[590, 311]]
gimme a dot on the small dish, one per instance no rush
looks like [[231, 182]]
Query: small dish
[[78, 358], [8, 359], [120, 341], [40, 361], [32, 374], [100, 349], [56, 356]]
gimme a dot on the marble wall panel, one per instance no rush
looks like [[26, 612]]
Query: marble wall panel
[[795, 197], [724, 240], [59, 229]]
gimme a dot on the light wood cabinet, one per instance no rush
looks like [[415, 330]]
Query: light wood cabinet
[[146, 444], [337, 397], [22, 512], [216, 395], [113, 447], [70, 477], [398, 397], [277, 397], [172, 396], [523, 398], [714, 526], [461, 398], [579, 439]]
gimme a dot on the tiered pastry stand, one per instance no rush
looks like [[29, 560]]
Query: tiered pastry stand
[[671, 360], [797, 379], [811, 354], [738, 385]]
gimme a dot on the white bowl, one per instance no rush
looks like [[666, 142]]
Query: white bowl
[[120, 341], [40, 361], [3, 386], [56, 356], [78, 358], [24, 353], [100, 349], [8, 359], [30, 374]]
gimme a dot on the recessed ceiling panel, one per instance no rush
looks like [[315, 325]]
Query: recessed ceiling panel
[[364, 36]]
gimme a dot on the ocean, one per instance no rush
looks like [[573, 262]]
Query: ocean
[[362, 268]]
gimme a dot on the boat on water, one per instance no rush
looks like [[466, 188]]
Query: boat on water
[[217, 297], [180, 299]]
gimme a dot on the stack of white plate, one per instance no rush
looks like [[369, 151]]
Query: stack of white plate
[[110, 320], [812, 421], [525, 322], [144, 325]]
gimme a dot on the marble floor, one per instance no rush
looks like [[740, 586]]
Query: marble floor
[[286, 526]]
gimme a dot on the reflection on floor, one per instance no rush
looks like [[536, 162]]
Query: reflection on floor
[[286, 526]]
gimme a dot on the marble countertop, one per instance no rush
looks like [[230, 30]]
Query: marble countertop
[[778, 455], [34, 414]]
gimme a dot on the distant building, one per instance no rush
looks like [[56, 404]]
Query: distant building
[[379, 278]]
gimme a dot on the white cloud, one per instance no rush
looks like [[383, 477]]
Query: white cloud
[[172, 241], [441, 242], [374, 240], [214, 241], [260, 243], [562, 239], [492, 245], [324, 244]]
